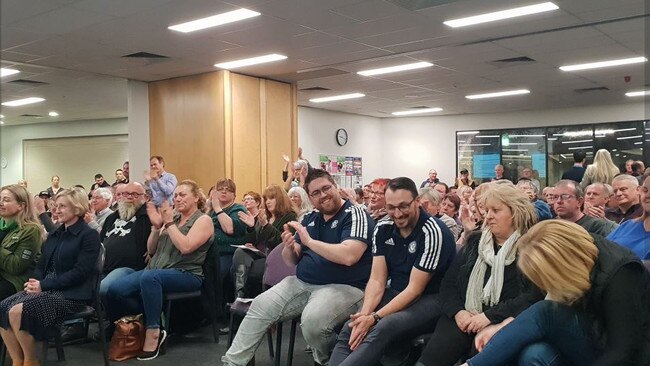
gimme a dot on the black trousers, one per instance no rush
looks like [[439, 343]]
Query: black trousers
[[447, 345]]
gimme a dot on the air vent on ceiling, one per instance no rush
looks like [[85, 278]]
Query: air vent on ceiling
[[516, 59], [28, 82], [315, 88], [144, 55], [31, 115], [587, 90]]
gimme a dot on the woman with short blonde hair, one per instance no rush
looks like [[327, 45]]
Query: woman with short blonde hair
[[596, 310]]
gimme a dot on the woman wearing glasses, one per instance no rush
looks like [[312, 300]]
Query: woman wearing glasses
[[228, 228], [483, 286], [264, 232]]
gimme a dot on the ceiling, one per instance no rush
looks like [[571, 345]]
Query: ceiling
[[76, 46]]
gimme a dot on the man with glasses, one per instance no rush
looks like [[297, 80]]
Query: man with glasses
[[568, 199], [377, 205], [124, 234], [627, 198], [331, 249], [414, 250]]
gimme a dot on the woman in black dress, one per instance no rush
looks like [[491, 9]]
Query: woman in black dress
[[62, 282]]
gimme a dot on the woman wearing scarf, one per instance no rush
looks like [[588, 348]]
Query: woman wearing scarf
[[483, 286], [21, 239]]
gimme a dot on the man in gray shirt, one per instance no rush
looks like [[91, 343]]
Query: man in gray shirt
[[568, 202]]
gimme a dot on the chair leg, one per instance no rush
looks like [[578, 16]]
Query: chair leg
[[60, 355], [292, 341], [44, 352], [102, 336], [215, 327], [168, 313], [269, 338], [278, 344], [231, 329]]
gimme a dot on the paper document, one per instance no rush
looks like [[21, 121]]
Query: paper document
[[247, 248]]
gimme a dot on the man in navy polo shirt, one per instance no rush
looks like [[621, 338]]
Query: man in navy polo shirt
[[331, 249], [414, 250]]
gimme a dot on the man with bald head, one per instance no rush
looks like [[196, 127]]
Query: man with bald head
[[125, 234]]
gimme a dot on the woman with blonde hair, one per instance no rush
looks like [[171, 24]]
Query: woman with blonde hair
[[20, 238], [603, 170], [264, 234], [300, 201], [596, 310], [62, 282], [483, 286]]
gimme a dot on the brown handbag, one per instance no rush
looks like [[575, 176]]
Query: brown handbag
[[128, 338]]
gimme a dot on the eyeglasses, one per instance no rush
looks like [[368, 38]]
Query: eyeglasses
[[563, 197], [324, 190], [223, 189], [131, 194], [249, 199], [377, 193], [403, 208]]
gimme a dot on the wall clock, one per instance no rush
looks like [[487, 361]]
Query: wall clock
[[341, 137]]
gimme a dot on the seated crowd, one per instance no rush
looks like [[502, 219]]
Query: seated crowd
[[496, 273]]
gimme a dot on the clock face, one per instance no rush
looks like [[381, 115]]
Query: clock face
[[341, 136]]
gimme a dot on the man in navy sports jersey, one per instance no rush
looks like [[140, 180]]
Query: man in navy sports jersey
[[414, 250], [331, 248]]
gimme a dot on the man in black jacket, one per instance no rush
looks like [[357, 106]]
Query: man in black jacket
[[577, 171]]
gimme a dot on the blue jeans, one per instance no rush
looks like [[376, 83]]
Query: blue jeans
[[418, 318], [547, 333], [111, 277], [142, 292], [324, 309]]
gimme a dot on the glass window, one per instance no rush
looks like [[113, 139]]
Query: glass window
[[524, 154], [623, 140], [562, 142], [478, 152]]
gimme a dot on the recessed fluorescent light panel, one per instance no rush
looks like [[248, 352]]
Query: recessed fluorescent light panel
[[498, 94], [467, 133], [53, 114], [215, 20], [337, 97], [19, 102], [639, 93], [417, 111], [398, 68], [500, 15], [6, 72], [250, 61], [600, 64]]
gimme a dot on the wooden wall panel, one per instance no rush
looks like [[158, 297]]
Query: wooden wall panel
[[222, 124], [280, 131], [186, 122], [246, 133]]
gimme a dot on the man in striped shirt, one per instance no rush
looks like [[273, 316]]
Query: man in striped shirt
[[414, 250], [331, 249]]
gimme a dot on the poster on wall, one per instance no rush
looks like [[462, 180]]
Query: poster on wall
[[346, 170], [539, 164], [484, 165]]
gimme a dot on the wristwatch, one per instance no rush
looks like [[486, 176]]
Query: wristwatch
[[376, 317], [167, 225]]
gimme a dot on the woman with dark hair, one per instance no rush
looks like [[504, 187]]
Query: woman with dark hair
[[21, 238], [62, 282], [451, 206], [596, 310], [483, 286], [265, 234], [178, 249]]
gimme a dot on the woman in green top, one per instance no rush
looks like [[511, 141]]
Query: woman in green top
[[20, 235], [264, 235]]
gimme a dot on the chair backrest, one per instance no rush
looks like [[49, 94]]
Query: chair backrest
[[97, 279], [276, 268]]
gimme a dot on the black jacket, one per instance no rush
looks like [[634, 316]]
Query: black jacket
[[75, 250], [518, 292], [575, 173], [619, 305]]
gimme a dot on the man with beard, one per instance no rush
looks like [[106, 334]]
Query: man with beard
[[414, 250], [377, 205], [125, 234], [331, 249]]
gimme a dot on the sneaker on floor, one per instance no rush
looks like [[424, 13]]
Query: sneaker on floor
[[73, 333], [224, 331]]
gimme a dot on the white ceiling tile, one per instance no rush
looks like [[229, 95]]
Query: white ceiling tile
[[370, 10], [61, 21]]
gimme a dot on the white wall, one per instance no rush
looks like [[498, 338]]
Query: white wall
[[410, 146], [11, 139], [316, 135]]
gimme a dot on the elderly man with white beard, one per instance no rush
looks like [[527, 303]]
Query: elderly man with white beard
[[125, 234]]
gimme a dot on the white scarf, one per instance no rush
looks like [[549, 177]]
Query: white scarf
[[477, 294]]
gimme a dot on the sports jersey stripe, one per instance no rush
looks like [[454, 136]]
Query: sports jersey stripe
[[432, 237]]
